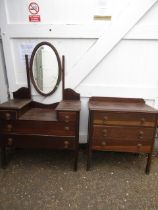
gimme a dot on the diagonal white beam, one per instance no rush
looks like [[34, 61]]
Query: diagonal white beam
[[109, 39]]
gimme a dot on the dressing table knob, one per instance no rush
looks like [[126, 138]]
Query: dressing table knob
[[66, 128], [104, 143], [105, 134], [10, 141], [9, 127], [8, 116], [66, 144], [67, 117]]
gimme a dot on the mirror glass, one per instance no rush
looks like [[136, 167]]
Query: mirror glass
[[45, 68]]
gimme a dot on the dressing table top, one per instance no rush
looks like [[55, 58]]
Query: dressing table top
[[69, 105], [15, 104]]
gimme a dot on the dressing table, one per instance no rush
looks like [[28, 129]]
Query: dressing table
[[121, 125], [25, 123]]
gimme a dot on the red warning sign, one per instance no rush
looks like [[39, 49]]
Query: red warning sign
[[33, 8], [34, 18]]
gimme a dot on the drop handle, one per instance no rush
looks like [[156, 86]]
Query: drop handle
[[66, 144]]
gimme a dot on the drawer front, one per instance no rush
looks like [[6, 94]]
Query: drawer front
[[38, 127], [67, 116], [8, 115], [26, 141], [132, 119], [123, 133], [137, 148], [125, 139]]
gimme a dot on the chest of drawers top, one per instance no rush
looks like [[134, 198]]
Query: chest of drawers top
[[120, 105]]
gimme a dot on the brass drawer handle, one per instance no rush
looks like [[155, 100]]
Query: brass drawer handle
[[10, 141], [141, 133], [105, 134], [67, 128], [139, 145], [9, 127], [105, 118], [104, 143], [142, 121], [8, 116], [66, 144]]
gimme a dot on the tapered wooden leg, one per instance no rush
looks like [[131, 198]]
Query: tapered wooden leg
[[3, 157], [147, 170]]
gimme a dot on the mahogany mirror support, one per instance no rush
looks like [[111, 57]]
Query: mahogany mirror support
[[63, 75]]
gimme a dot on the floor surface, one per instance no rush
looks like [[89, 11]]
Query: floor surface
[[44, 180]]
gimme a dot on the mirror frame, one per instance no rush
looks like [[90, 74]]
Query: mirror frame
[[31, 68]]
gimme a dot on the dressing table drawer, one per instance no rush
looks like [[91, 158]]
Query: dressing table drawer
[[67, 116], [20, 141], [132, 119], [8, 115], [47, 128]]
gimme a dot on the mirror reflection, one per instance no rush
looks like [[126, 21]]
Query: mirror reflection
[[45, 69]]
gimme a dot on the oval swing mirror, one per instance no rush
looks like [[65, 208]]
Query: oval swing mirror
[[45, 68]]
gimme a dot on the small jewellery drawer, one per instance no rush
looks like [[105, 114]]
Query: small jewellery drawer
[[123, 133], [67, 116], [133, 119], [7, 115], [40, 127]]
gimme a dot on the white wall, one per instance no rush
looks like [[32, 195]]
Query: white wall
[[3, 82], [107, 58]]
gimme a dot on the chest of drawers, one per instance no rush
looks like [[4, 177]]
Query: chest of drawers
[[121, 125]]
